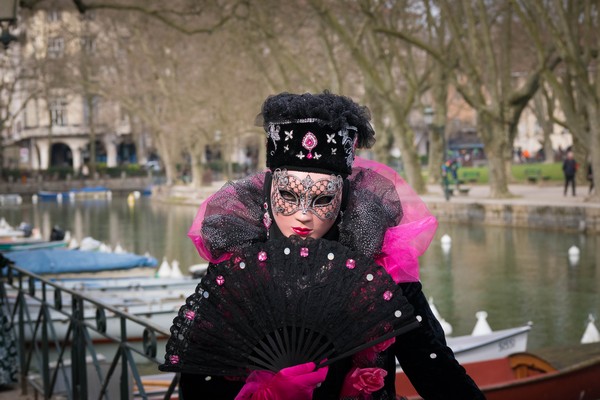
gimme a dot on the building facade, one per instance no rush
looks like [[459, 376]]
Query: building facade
[[60, 120]]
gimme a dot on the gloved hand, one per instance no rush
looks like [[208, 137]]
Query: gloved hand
[[292, 383]]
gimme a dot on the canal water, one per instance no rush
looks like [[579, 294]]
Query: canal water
[[516, 275]]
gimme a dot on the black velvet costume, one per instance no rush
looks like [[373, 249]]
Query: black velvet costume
[[423, 355], [434, 378], [373, 206]]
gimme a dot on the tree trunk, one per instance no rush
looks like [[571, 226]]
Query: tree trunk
[[412, 167], [170, 168], [594, 115], [494, 139], [197, 170], [91, 125], [436, 152]]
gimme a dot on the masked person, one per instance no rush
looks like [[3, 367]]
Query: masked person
[[315, 188]]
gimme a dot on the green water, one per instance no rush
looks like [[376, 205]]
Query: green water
[[516, 275]]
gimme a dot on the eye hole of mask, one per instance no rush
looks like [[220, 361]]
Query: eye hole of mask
[[323, 200], [287, 195]]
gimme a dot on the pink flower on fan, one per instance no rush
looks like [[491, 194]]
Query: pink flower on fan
[[363, 381]]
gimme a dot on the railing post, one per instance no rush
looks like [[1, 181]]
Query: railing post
[[33, 343], [45, 349], [78, 364], [124, 377], [22, 358]]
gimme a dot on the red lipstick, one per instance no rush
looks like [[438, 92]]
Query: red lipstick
[[302, 231]]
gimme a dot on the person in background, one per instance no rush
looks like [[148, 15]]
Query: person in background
[[315, 187], [569, 170], [590, 177]]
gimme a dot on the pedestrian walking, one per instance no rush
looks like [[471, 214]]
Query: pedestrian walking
[[569, 170], [590, 176]]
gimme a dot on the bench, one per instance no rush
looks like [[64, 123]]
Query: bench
[[470, 176], [534, 174]]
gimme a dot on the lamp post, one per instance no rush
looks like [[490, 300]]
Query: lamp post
[[428, 113], [8, 17]]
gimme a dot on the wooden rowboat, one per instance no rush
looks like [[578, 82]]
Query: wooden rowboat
[[524, 376]]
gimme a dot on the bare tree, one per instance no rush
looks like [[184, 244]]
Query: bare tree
[[543, 107], [573, 30], [14, 95], [394, 74], [482, 71]]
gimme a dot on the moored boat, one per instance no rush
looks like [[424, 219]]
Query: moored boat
[[95, 192], [526, 376], [10, 199], [159, 311], [489, 346], [60, 261], [32, 243]]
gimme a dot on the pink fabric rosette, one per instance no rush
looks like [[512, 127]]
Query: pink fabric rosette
[[360, 383]]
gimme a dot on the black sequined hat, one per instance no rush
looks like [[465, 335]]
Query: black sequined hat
[[314, 132]]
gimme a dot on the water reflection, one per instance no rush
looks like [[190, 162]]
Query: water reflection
[[516, 275]]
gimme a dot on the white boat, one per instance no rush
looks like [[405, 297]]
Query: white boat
[[10, 199], [156, 300], [496, 344], [490, 346], [159, 312], [8, 232]]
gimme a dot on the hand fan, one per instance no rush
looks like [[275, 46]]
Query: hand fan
[[282, 303]]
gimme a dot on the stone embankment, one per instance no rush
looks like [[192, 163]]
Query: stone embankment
[[117, 185], [538, 206]]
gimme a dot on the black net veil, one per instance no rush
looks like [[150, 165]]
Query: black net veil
[[233, 218], [285, 302], [373, 206]]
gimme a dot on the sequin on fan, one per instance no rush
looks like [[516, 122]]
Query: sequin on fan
[[189, 314]]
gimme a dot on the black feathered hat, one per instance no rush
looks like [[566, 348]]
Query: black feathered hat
[[314, 132]]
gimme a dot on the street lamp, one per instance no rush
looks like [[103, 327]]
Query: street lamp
[[428, 114], [8, 17]]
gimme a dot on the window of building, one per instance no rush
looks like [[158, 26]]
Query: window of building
[[86, 109], [58, 111], [56, 47], [88, 44], [88, 15], [54, 15]]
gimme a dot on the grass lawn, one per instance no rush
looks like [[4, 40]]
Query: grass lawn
[[521, 173]]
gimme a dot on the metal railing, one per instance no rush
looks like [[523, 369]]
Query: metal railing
[[32, 304]]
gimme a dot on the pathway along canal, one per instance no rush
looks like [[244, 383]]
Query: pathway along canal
[[515, 274]]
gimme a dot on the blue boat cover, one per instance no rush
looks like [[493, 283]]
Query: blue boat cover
[[56, 261]]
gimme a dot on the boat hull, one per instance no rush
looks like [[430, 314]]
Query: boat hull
[[497, 344], [523, 376]]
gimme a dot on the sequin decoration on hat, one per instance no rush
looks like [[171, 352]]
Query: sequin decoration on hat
[[314, 132], [310, 146]]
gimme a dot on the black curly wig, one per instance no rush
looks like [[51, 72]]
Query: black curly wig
[[336, 111]]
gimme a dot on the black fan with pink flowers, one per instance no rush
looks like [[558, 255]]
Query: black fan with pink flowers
[[285, 302]]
